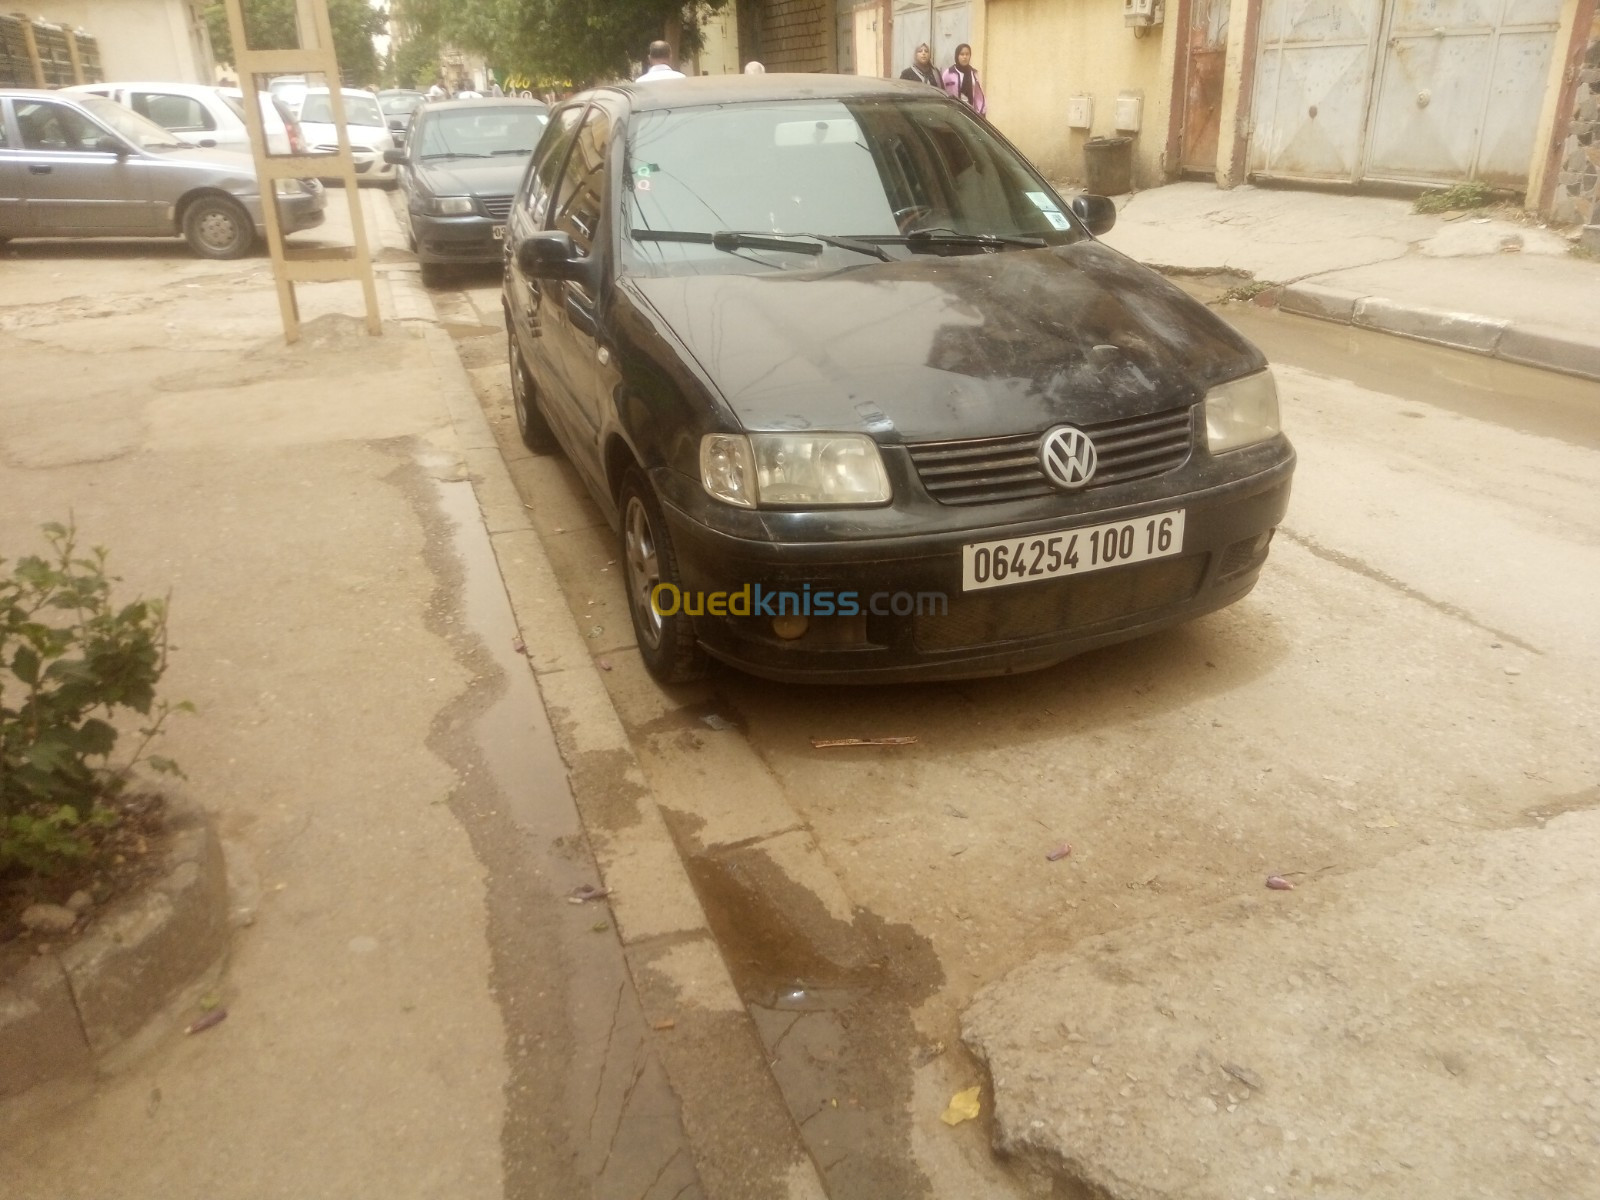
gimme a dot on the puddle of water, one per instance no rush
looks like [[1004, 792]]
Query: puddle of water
[[589, 1108], [839, 1038]]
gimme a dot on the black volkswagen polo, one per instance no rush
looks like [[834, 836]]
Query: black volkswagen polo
[[864, 396]]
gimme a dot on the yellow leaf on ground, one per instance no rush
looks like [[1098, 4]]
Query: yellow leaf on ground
[[963, 1107]]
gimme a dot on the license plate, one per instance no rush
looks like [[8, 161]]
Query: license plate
[[1071, 552], [499, 232]]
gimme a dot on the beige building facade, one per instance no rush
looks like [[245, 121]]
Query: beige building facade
[[1356, 93], [162, 40]]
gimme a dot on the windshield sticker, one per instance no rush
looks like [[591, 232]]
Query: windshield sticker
[[646, 168], [1042, 201], [1058, 219], [641, 184]]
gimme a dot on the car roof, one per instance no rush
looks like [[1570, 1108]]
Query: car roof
[[322, 91], [735, 89], [485, 102], [145, 83]]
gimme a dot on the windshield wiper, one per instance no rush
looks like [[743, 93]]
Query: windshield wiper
[[529, 150], [727, 239], [920, 238], [450, 154], [850, 243]]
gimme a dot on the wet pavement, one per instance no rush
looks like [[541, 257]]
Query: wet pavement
[[940, 847]]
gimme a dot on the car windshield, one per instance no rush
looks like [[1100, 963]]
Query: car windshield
[[358, 110], [399, 106], [883, 171], [481, 131], [141, 131]]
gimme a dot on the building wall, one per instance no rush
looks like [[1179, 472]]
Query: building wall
[[795, 35], [162, 40], [1039, 54], [1577, 190]]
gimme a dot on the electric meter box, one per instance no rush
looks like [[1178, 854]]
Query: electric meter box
[[1129, 111], [1080, 112], [1141, 12]]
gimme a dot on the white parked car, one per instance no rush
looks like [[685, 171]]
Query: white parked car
[[364, 120], [202, 115]]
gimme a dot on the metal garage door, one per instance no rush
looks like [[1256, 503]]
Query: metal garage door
[[1411, 91]]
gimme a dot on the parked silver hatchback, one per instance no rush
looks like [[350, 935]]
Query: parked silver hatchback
[[85, 166]]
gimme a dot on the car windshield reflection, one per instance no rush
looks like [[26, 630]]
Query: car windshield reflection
[[910, 172], [479, 132]]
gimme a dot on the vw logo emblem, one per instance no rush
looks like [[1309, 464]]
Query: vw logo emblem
[[1068, 457]]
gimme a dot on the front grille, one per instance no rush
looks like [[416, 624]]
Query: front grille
[[989, 470], [1059, 606], [496, 207]]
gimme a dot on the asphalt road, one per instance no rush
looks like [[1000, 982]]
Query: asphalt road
[[1419, 658]]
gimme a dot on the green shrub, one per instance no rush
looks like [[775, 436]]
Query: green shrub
[[70, 663]]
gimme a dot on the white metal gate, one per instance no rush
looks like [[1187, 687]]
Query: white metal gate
[[1407, 91], [943, 24]]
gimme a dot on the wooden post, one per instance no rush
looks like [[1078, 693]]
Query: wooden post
[[72, 51], [33, 50]]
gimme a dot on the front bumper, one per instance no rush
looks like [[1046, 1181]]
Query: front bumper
[[996, 631], [303, 210], [465, 239]]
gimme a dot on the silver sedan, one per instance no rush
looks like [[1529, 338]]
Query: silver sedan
[[85, 166]]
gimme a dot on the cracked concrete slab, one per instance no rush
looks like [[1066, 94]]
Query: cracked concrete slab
[[1239, 1052]]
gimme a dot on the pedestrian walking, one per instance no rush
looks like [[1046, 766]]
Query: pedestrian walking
[[660, 65], [961, 81], [922, 69]]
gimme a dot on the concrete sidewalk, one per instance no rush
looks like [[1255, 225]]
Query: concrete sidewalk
[[1484, 283]]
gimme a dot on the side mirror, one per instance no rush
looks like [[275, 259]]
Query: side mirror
[[1099, 213], [207, 143], [394, 157], [552, 254], [111, 145]]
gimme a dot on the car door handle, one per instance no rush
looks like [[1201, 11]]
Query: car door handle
[[38, 170], [582, 315]]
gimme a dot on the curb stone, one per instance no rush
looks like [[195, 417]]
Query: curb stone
[[1530, 345], [743, 1135], [75, 1013]]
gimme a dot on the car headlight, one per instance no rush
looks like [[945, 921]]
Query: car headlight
[[1242, 412], [287, 187], [793, 470], [448, 206]]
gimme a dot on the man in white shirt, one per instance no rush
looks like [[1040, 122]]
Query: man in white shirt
[[660, 58]]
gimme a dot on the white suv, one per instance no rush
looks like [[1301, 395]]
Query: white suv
[[202, 115]]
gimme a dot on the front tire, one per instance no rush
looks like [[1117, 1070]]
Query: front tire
[[666, 643], [217, 227], [532, 428]]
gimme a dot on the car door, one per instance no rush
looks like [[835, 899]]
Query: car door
[[71, 187], [13, 212], [525, 296], [572, 321]]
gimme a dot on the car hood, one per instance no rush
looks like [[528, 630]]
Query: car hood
[[366, 136], [472, 176], [935, 348]]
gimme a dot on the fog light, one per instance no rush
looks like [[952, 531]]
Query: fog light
[[789, 626]]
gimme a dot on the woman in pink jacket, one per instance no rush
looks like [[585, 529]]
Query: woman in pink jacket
[[961, 81]]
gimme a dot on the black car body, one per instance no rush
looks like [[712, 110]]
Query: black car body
[[833, 341], [462, 162]]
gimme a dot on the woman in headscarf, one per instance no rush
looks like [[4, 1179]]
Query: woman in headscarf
[[922, 69], [961, 81]]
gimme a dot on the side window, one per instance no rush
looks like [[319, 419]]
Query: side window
[[580, 197], [547, 162], [48, 126], [5, 135], [181, 114]]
